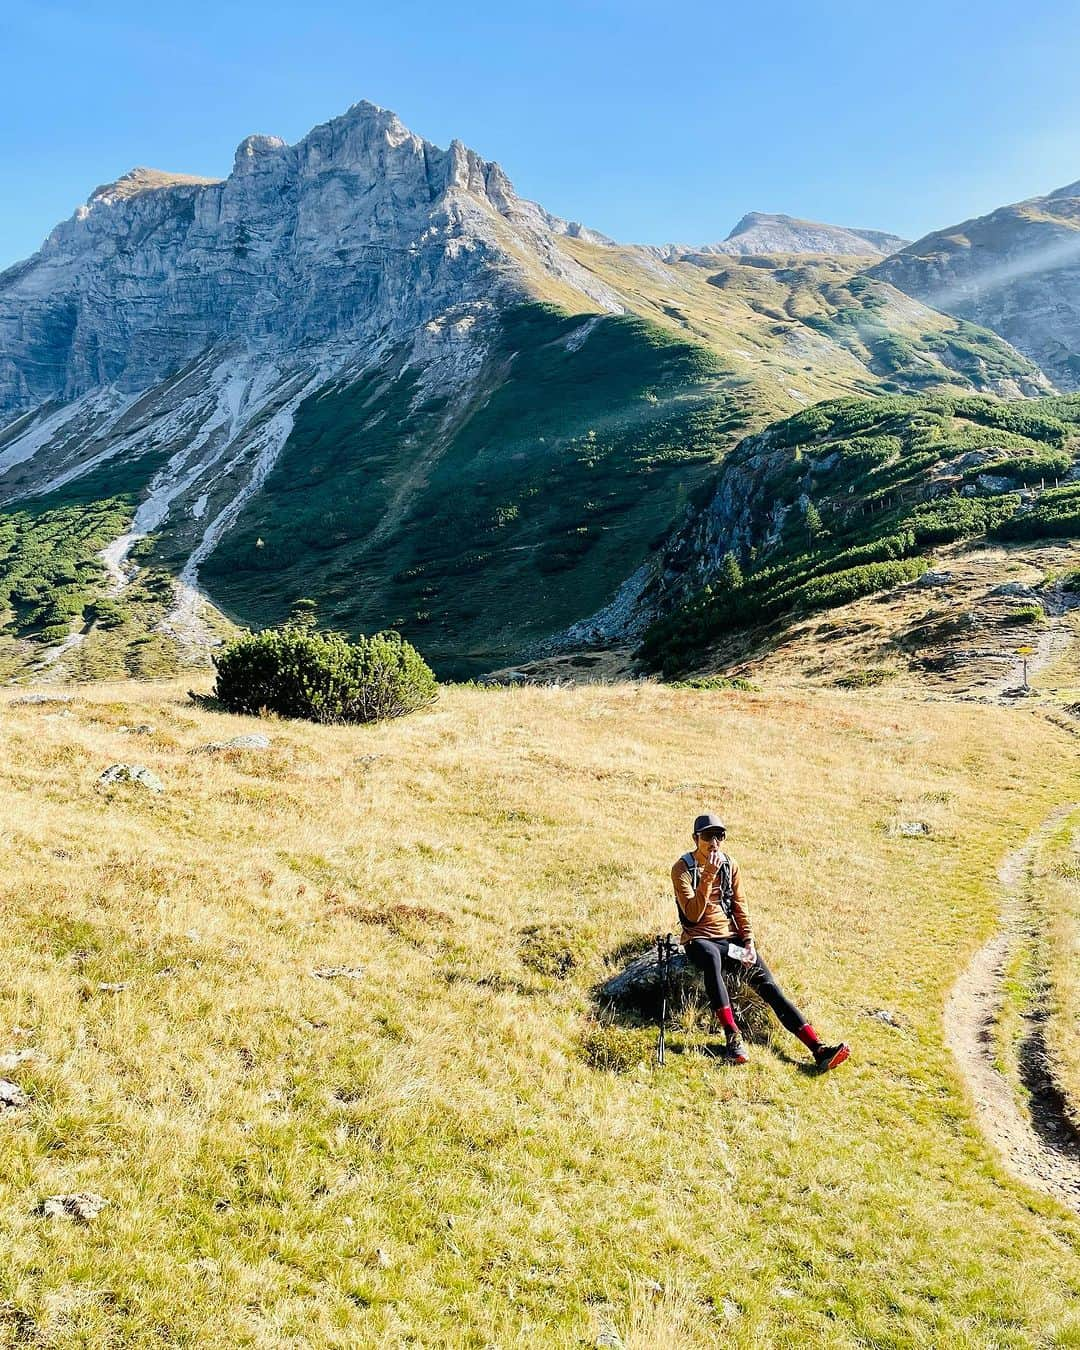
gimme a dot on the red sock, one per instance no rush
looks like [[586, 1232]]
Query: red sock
[[808, 1036], [727, 1017]]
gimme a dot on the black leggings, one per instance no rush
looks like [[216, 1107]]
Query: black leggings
[[710, 954]]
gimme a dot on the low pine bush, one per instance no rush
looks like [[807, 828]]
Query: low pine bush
[[837, 588], [323, 677]]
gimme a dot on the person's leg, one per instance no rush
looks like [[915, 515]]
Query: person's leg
[[707, 957], [761, 978]]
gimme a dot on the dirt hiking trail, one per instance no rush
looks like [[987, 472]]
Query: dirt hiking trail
[[1037, 1145]]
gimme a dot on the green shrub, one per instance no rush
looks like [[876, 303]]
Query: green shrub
[[55, 632], [864, 679], [1025, 468], [715, 682], [323, 676], [954, 517], [837, 588], [107, 612], [1056, 514], [612, 1048], [886, 549], [1025, 614], [550, 949]]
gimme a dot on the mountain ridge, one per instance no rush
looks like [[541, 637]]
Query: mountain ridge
[[282, 380], [1015, 270]]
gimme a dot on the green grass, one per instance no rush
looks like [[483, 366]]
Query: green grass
[[513, 516], [865, 466], [53, 582], [448, 1151]]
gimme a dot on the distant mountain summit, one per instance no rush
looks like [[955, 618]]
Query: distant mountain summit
[[360, 231], [361, 370], [759, 232], [1015, 270]]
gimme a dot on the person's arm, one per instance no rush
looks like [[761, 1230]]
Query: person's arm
[[739, 917], [692, 902]]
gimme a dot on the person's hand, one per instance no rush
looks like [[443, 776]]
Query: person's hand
[[751, 952], [716, 854]]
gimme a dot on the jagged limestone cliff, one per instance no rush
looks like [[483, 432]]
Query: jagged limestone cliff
[[362, 370]]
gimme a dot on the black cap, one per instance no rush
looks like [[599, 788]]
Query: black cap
[[709, 823]]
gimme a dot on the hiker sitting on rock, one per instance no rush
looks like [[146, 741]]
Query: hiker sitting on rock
[[714, 919]]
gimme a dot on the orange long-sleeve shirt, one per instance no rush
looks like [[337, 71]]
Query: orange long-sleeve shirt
[[703, 908]]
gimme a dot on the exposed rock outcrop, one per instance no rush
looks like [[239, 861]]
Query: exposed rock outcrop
[[360, 231]]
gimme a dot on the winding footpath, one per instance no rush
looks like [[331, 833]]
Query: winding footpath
[[1037, 1145]]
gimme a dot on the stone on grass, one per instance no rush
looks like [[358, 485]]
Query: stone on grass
[[82, 1206], [253, 741], [137, 774], [885, 1015], [636, 989], [26, 700], [12, 1097], [1014, 588], [909, 829], [934, 579], [994, 482], [11, 1059], [338, 972]]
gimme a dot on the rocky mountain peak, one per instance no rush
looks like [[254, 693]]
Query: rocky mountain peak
[[762, 232], [139, 180], [253, 148], [359, 231]]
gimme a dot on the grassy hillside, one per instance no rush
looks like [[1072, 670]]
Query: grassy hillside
[[480, 523], [851, 496], [476, 528], [1058, 888], [428, 1154], [54, 585], [806, 328], [577, 452]]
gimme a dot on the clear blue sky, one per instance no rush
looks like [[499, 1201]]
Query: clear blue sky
[[650, 121]]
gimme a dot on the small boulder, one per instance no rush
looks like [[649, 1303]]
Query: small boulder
[[11, 1059], [909, 829], [338, 972], [82, 1206], [934, 579], [992, 482], [253, 741], [12, 1097], [138, 774], [637, 989], [26, 700], [609, 1339], [1015, 588]]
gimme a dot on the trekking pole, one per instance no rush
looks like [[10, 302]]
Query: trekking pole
[[664, 948]]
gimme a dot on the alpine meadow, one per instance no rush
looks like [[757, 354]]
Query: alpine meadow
[[396, 578]]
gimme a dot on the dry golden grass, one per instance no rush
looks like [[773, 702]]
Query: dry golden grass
[[422, 1156], [1058, 876]]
